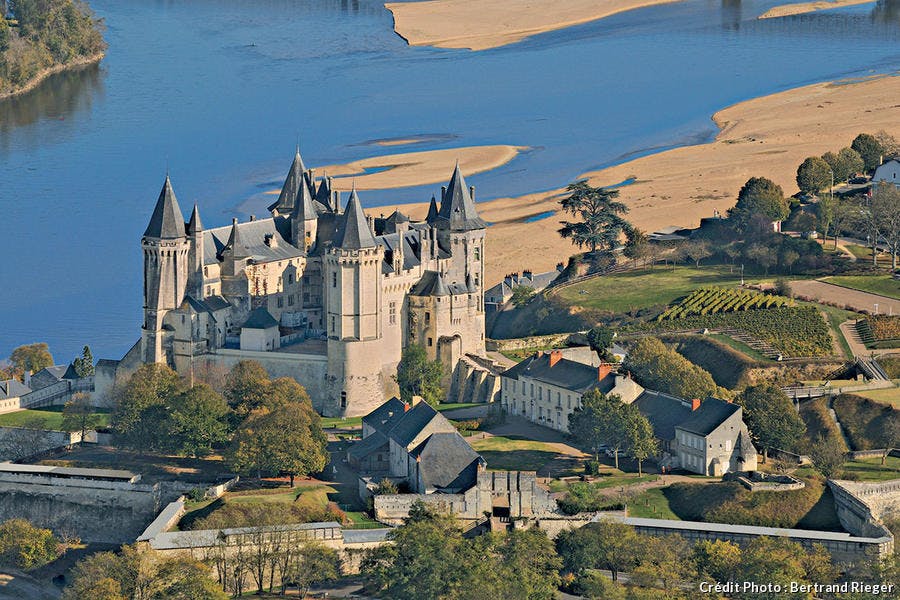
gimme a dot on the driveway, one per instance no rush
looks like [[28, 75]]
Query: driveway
[[841, 296]]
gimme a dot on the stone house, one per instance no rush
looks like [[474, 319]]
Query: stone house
[[546, 387], [11, 392], [713, 439]]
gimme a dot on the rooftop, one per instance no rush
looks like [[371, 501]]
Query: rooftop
[[70, 472], [706, 419]]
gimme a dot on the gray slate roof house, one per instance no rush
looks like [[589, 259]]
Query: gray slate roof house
[[13, 388]]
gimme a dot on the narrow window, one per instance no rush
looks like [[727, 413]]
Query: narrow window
[[343, 399], [334, 280]]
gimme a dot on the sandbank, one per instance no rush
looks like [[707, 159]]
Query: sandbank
[[767, 136], [483, 24], [418, 168], [799, 8]]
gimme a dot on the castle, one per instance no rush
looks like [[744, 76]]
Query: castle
[[318, 292]]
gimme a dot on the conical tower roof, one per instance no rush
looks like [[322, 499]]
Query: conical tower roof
[[292, 184], [167, 221], [354, 233], [195, 225], [303, 204], [235, 244], [432, 210], [457, 206]]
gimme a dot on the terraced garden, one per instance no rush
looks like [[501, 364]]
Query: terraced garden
[[879, 331], [713, 300]]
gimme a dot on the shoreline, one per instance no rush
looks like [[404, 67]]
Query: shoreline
[[484, 24], [766, 136], [43, 74], [802, 8]]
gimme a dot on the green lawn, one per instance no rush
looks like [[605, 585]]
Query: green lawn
[[871, 469], [864, 253], [887, 396], [356, 422], [651, 504], [50, 415], [740, 347], [633, 290], [506, 454], [883, 285]]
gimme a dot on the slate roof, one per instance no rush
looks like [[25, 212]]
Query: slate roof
[[368, 445], [253, 238], [443, 457], [303, 205], [12, 388], [458, 210], [711, 414], [195, 224], [48, 376], [68, 472], [260, 318], [209, 304], [167, 222], [323, 194], [378, 418], [292, 183], [431, 284], [412, 422], [354, 233], [664, 412], [432, 210], [568, 374]]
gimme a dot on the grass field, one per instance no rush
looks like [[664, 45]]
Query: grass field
[[507, 454], [871, 469], [883, 285], [634, 290], [651, 504], [889, 396], [50, 415], [865, 254]]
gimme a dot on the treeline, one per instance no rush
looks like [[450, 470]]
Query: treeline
[[38, 34]]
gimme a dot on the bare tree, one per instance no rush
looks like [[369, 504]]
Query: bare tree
[[884, 208]]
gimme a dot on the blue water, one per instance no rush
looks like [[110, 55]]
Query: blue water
[[218, 92]]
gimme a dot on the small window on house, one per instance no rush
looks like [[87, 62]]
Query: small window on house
[[430, 342], [208, 291], [392, 313], [290, 300], [332, 324], [205, 271], [428, 317], [280, 302], [477, 253]]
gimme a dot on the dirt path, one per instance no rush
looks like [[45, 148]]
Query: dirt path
[[841, 296]]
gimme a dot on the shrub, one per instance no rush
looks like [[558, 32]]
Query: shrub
[[591, 467], [24, 546]]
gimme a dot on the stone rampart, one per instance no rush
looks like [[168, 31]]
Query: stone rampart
[[17, 443], [863, 507]]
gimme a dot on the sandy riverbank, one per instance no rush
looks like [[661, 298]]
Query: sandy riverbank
[[418, 168], [799, 8], [767, 136], [45, 73], [483, 24]]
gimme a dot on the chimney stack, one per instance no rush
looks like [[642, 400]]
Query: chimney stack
[[555, 357], [472, 192], [695, 404], [603, 370], [252, 217]]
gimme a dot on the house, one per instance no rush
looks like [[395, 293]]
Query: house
[[50, 375], [260, 331], [501, 293], [888, 171], [546, 387], [11, 392], [713, 439], [415, 445]]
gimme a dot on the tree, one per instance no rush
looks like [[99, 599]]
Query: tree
[[828, 454], [78, 415], [142, 574], [315, 563], [869, 149], [759, 196], [196, 421], [718, 560], [658, 367], [24, 546], [885, 209], [641, 441], [599, 221], [825, 211], [844, 164], [246, 387], [599, 420], [286, 390], [842, 217], [4, 33], [780, 561], [664, 563], [521, 295], [529, 565], [288, 439], [637, 245], [697, 251], [31, 358], [140, 413], [761, 254], [603, 545], [418, 376], [600, 338], [771, 418], [889, 144], [84, 364], [813, 175]]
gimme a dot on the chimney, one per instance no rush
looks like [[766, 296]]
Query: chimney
[[603, 370], [443, 192], [555, 357], [234, 220], [695, 403], [406, 407], [472, 192], [252, 217]]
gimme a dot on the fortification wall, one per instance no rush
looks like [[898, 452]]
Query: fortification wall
[[308, 369], [19, 442], [95, 511], [862, 507]]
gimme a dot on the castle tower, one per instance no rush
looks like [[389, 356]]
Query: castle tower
[[304, 220], [166, 248], [195, 255], [235, 253], [294, 180], [352, 300]]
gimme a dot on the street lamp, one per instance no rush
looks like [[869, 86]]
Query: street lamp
[[742, 274]]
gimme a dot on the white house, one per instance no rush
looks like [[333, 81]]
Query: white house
[[888, 171]]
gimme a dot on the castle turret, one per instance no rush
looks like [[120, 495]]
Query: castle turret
[[166, 247], [294, 180], [235, 253], [462, 232], [304, 220], [352, 299], [195, 255]]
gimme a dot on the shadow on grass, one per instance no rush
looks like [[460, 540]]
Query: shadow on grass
[[188, 520], [821, 516], [518, 460]]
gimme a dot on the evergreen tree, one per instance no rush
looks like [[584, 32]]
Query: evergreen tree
[[771, 418], [813, 175], [84, 364], [600, 223], [758, 197]]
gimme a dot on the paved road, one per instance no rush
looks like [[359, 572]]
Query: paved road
[[841, 296]]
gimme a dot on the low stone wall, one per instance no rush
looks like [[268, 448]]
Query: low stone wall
[[534, 341], [863, 454], [756, 481], [393, 508], [17, 443]]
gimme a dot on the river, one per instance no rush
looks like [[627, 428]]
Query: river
[[218, 93]]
